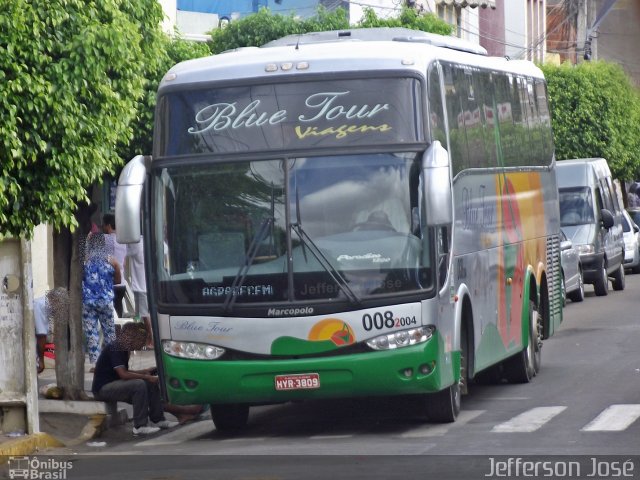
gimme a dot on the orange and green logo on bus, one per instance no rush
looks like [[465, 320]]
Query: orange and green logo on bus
[[338, 331], [328, 334], [511, 264]]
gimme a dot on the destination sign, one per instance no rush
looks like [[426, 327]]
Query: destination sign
[[354, 112]]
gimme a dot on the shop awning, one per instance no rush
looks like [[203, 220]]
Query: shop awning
[[468, 3]]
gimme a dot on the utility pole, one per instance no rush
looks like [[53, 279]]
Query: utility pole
[[604, 10]]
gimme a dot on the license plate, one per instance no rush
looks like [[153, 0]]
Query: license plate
[[302, 381]]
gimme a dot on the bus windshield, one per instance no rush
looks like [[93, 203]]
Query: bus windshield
[[324, 228], [576, 207]]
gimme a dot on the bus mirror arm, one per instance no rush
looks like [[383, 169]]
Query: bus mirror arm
[[129, 199], [437, 184]]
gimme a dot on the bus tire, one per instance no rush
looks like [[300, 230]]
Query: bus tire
[[465, 360], [521, 368], [444, 406], [489, 376], [229, 418]]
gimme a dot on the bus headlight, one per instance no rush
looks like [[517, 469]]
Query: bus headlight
[[403, 338], [191, 350]]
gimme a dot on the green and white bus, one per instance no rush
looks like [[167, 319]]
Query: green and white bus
[[347, 214]]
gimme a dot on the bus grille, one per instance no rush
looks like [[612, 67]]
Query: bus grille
[[554, 278]]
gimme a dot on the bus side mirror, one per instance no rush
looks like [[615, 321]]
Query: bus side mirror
[[607, 218], [129, 200], [437, 185]]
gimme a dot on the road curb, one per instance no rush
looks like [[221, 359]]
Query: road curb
[[30, 444], [94, 427], [27, 445]]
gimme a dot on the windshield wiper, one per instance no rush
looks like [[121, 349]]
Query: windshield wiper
[[250, 257], [325, 263], [307, 242], [252, 252]]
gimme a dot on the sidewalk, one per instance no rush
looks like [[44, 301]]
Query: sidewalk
[[63, 423]]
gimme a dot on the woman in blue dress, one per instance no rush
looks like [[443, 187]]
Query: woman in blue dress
[[101, 271]]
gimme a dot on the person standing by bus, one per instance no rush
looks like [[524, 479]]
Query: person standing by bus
[[119, 251], [135, 253], [101, 272], [41, 320]]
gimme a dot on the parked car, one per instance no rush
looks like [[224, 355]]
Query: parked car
[[572, 281], [634, 213], [591, 217], [631, 243]]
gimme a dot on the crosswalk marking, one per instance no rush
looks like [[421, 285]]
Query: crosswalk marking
[[243, 439], [529, 421], [464, 417], [614, 419]]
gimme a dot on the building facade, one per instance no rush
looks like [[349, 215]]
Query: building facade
[[195, 18], [598, 29]]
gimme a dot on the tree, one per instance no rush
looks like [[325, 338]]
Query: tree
[[262, 27], [71, 74], [595, 113], [171, 50], [408, 18]]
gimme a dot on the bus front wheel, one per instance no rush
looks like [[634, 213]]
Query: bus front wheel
[[229, 418], [444, 406]]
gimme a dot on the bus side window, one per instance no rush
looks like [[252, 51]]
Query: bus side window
[[487, 135], [436, 112], [456, 100], [544, 119]]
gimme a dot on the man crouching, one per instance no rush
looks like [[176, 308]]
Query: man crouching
[[113, 381]]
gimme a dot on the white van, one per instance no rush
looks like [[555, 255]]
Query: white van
[[591, 217]]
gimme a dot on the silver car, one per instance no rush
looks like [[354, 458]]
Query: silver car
[[631, 243], [572, 281]]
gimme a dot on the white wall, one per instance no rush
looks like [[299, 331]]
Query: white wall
[[42, 260], [471, 25], [196, 23], [515, 24], [170, 10]]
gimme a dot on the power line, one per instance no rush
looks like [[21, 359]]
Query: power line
[[543, 37]]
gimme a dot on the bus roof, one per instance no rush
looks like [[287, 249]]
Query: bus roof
[[361, 52], [378, 34]]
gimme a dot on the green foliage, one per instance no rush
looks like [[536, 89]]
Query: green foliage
[[70, 77], [168, 52], [253, 30], [596, 113], [408, 18], [262, 27]]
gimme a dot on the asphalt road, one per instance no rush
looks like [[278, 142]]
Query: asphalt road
[[584, 405]]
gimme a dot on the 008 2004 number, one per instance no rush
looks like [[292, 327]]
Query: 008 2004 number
[[380, 320]]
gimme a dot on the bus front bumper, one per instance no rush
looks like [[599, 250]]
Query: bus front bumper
[[410, 370]]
